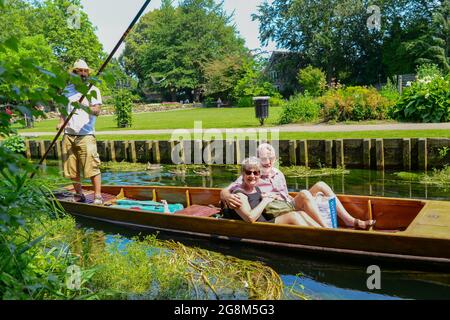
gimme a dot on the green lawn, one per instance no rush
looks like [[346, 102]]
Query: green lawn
[[302, 135], [211, 118]]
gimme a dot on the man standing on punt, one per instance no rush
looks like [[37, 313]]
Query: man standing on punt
[[79, 142]]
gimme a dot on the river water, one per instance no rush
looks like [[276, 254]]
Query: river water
[[317, 276]]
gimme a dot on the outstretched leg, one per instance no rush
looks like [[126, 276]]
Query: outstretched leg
[[304, 201], [348, 219], [298, 218]]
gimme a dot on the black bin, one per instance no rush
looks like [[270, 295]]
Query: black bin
[[261, 108]]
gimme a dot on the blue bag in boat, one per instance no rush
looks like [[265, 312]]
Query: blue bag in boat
[[327, 208], [152, 206]]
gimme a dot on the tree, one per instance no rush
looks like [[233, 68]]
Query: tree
[[177, 43], [69, 43], [312, 80], [434, 47], [222, 75], [333, 34], [50, 19]]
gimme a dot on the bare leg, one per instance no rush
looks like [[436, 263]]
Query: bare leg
[[348, 219], [97, 183], [304, 201], [299, 218], [77, 185]]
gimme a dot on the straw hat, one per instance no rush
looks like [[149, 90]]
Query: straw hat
[[80, 64]]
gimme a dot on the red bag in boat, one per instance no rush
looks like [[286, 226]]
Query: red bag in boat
[[199, 211]]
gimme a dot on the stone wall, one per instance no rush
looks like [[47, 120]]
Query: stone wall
[[401, 154]]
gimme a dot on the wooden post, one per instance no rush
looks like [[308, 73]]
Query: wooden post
[[207, 158], [156, 153], [198, 152], [366, 153], [58, 146], [407, 154], [380, 154], [148, 148], [112, 148], [42, 149], [292, 152], [132, 148], [240, 151], [230, 152], [340, 153], [28, 149], [329, 153], [303, 153], [423, 154]]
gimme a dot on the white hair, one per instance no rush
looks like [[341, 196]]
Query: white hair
[[252, 162], [266, 147]]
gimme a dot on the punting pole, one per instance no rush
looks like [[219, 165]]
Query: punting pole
[[111, 55]]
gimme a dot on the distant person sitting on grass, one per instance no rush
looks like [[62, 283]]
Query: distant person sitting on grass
[[273, 182]]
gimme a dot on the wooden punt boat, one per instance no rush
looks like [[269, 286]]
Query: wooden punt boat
[[406, 230]]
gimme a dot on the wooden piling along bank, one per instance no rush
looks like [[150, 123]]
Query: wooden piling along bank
[[404, 154]]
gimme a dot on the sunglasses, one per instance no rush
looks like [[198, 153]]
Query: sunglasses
[[255, 173]]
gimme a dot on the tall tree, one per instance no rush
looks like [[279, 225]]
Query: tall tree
[[333, 34], [434, 47], [176, 44], [69, 31]]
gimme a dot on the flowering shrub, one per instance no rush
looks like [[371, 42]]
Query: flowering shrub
[[355, 103], [427, 100]]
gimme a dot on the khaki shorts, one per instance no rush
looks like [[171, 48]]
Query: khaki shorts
[[80, 155]]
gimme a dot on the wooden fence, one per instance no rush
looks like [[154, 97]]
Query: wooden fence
[[404, 154]]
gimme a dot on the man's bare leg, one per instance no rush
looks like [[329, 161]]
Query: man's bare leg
[[97, 183], [77, 185]]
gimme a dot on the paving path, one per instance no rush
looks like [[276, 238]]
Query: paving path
[[286, 128]]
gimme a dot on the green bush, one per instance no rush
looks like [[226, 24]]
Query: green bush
[[276, 101], [210, 102], [245, 102], [300, 108], [427, 100], [355, 103], [428, 70], [123, 102], [313, 80], [15, 144]]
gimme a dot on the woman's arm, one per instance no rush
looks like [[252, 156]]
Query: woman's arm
[[247, 213]]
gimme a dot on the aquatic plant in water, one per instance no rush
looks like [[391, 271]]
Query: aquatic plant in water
[[302, 171], [436, 177]]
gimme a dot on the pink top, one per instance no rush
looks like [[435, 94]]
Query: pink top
[[275, 183]]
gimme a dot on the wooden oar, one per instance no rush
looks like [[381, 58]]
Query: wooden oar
[[111, 55]]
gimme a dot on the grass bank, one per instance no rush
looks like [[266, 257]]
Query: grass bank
[[210, 117], [389, 134]]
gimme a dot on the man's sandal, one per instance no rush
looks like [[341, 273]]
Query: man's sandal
[[98, 201], [81, 197], [368, 224]]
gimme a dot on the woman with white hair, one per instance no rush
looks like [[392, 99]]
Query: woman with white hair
[[254, 202]]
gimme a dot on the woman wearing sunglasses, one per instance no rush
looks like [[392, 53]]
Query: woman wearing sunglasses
[[254, 202]]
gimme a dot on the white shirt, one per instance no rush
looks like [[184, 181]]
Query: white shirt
[[81, 123]]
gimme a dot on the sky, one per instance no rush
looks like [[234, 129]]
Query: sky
[[112, 17]]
